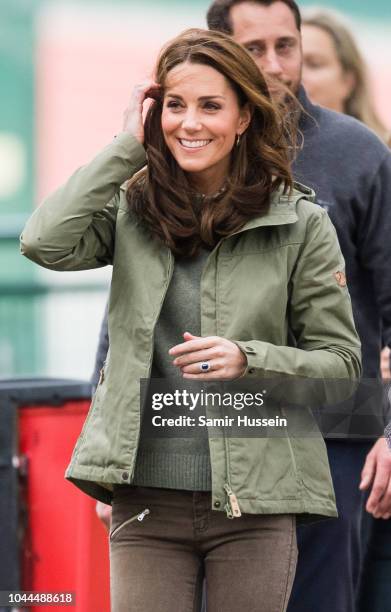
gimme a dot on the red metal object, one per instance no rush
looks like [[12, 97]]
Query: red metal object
[[65, 544]]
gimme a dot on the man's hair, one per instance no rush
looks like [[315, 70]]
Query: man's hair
[[218, 16]]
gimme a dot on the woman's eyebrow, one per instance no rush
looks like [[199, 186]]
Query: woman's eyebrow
[[212, 96], [174, 95]]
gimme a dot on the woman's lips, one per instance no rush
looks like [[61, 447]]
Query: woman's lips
[[193, 144]]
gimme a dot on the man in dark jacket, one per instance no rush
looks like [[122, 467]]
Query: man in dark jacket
[[350, 171]]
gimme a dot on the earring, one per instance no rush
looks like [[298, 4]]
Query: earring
[[238, 140]]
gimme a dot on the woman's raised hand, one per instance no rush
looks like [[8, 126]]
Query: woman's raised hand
[[133, 114]]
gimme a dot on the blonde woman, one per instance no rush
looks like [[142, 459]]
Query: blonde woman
[[334, 71]]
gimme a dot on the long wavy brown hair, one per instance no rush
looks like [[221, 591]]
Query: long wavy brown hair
[[161, 195]]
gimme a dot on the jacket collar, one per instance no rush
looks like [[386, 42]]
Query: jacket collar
[[282, 210]]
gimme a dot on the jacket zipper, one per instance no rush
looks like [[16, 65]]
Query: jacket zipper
[[138, 517], [232, 507]]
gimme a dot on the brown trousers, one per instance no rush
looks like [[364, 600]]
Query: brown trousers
[[163, 542]]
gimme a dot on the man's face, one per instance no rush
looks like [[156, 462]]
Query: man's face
[[270, 35]]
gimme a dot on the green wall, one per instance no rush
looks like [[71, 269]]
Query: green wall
[[19, 325]]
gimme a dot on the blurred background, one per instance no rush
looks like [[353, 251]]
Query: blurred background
[[66, 71]]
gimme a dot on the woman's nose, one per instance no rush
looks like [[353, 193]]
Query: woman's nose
[[191, 122]]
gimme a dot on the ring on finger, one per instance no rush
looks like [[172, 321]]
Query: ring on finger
[[205, 366]]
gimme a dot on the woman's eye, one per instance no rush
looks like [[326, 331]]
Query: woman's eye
[[313, 64], [212, 106], [174, 104]]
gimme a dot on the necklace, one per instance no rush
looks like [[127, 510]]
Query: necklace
[[200, 197]]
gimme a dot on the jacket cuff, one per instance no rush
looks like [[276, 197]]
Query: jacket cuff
[[131, 149], [254, 356]]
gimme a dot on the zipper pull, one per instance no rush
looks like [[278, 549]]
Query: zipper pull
[[232, 507], [142, 514]]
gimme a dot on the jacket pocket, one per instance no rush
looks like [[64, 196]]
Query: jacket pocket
[[137, 517]]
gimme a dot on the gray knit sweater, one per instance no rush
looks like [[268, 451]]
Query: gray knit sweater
[[174, 462]]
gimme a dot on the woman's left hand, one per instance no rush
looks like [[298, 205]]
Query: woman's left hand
[[225, 358]]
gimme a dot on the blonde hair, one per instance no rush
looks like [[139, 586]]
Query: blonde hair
[[359, 103]]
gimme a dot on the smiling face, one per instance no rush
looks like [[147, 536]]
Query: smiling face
[[270, 35], [324, 78], [201, 119]]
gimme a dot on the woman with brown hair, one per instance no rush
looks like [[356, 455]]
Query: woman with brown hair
[[222, 269]]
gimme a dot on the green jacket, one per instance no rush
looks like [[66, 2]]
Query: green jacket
[[277, 275]]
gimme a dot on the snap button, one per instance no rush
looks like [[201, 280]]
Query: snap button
[[125, 475], [217, 504], [249, 349]]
